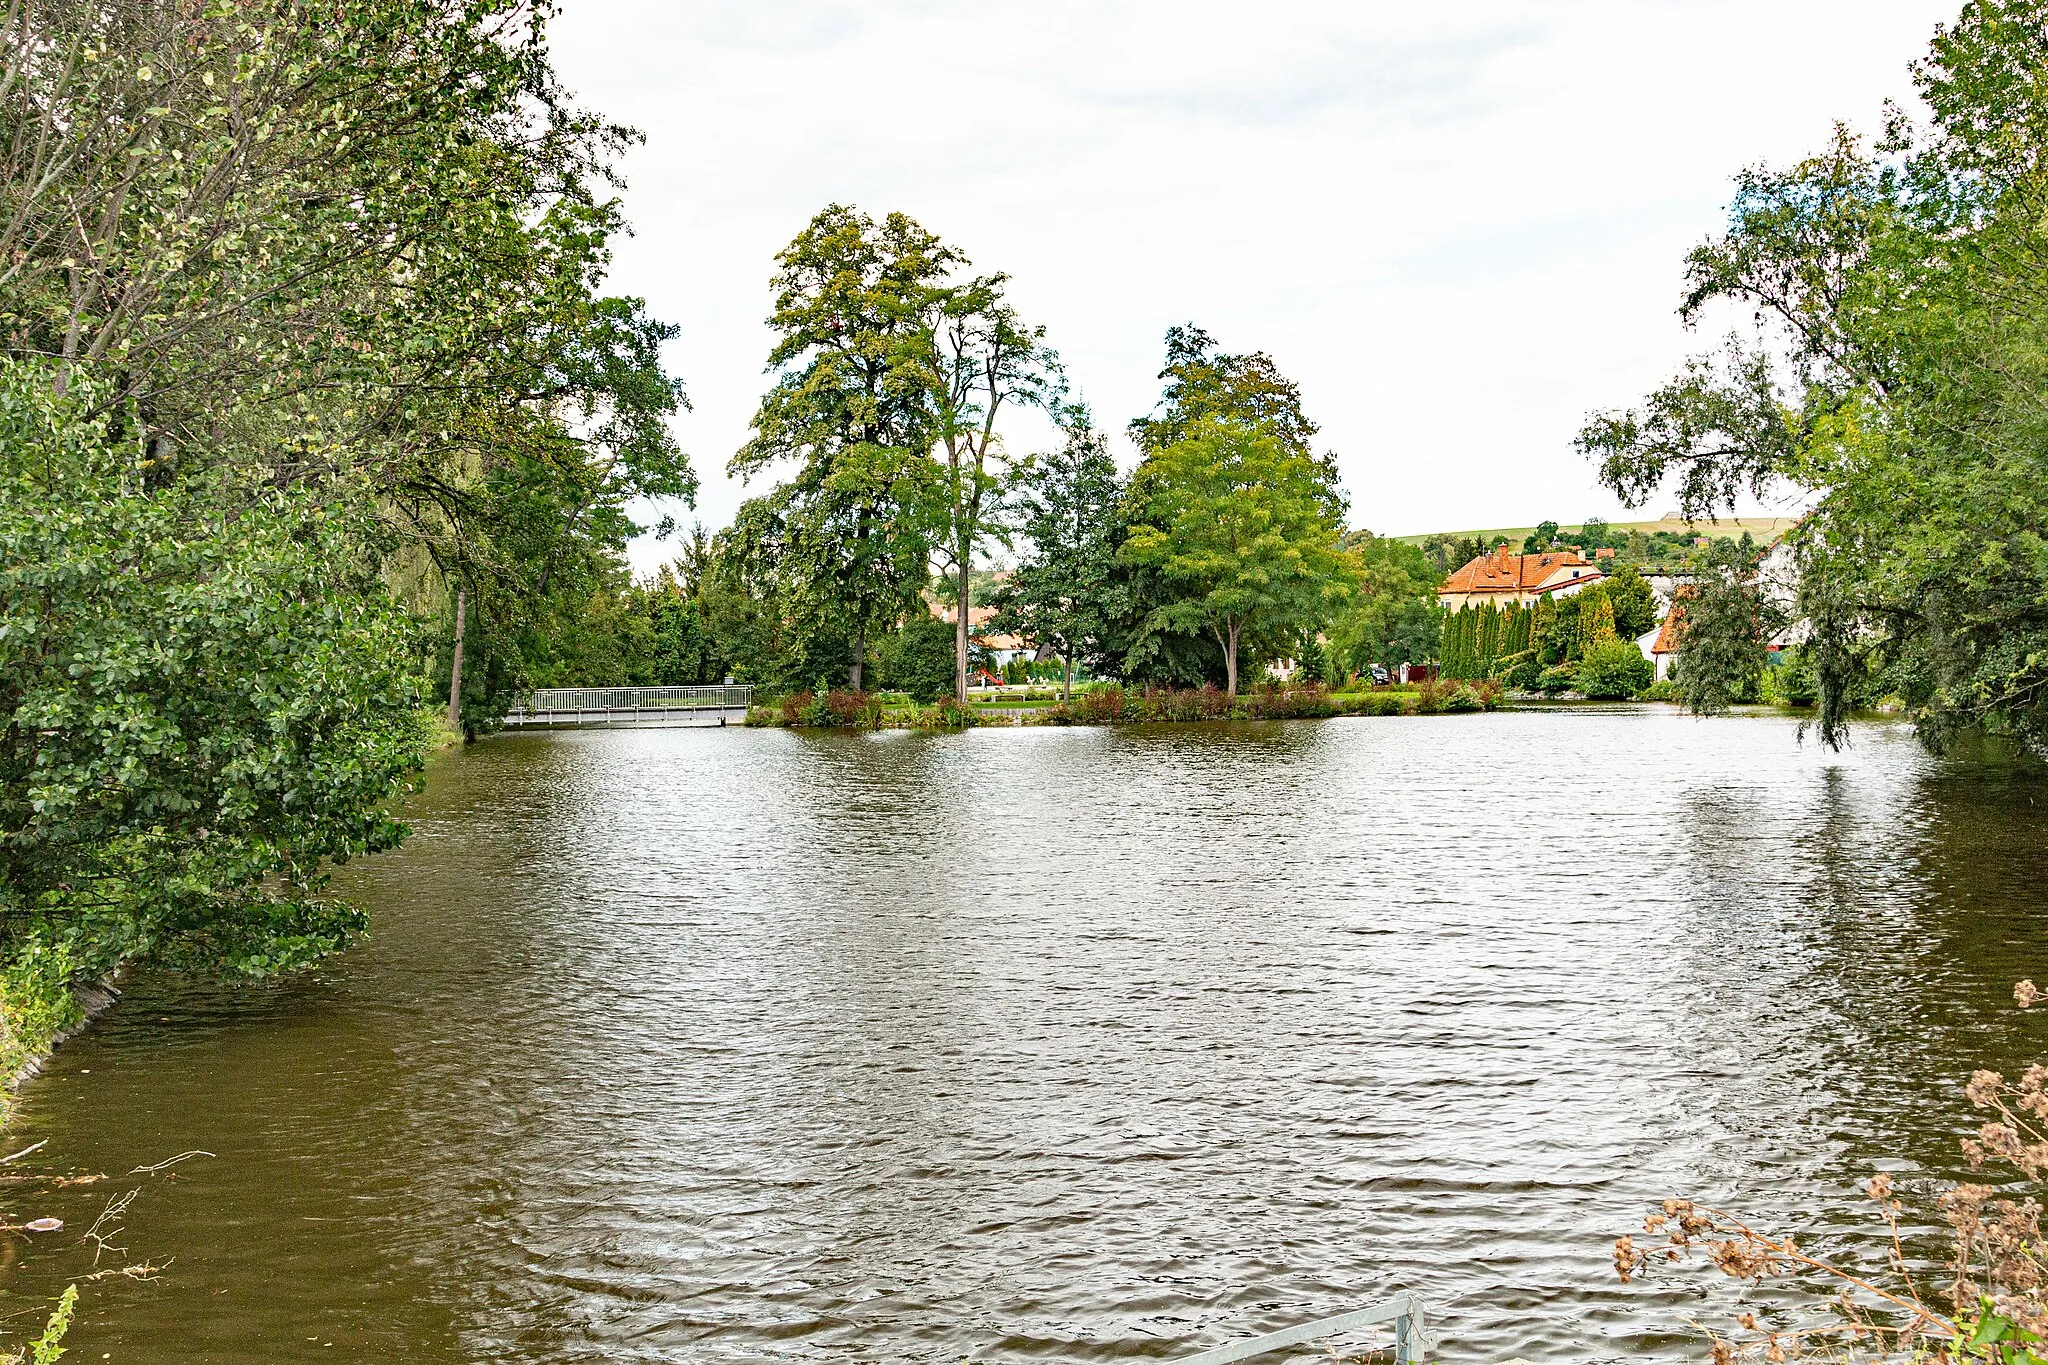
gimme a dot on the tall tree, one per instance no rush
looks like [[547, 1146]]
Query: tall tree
[[986, 359], [347, 241], [1634, 602], [1064, 592], [1244, 530], [1203, 382], [853, 405], [1896, 382]]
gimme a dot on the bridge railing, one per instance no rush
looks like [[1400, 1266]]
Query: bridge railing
[[1404, 1310], [623, 705]]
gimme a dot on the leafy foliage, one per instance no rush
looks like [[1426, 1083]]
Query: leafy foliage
[[1243, 531], [1897, 379], [1393, 617], [205, 706], [1613, 670], [918, 659], [1065, 592], [1721, 655]]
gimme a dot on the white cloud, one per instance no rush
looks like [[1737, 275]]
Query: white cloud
[[1459, 227]]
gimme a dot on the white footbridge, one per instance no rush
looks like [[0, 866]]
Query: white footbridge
[[628, 708]]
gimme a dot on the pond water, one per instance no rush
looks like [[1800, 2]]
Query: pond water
[[1038, 1044]]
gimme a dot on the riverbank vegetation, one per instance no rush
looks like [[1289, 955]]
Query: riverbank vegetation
[[310, 400], [1114, 704], [1894, 377], [1223, 552], [1990, 1302]]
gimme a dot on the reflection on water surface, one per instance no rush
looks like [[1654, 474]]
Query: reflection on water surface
[[1044, 1044]]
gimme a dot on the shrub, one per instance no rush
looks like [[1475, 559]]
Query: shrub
[[847, 708], [207, 696], [1376, 703], [1662, 690], [1300, 703], [918, 659], [947, 714], [1614, 670], [1561, 678], [1521, 671], [1460, 699], [1994, 1305]]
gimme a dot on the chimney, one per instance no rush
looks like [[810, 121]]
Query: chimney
[[1500, 557]]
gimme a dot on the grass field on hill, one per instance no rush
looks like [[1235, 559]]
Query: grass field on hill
[[1763, 529]]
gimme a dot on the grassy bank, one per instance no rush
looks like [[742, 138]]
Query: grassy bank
[[1762, 529], [38, 1004], [1108, 704]]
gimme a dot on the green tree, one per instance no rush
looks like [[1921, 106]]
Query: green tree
[[206, 693], [854, 406], [1244, 531], [1064, 593], [362, 242], [1541, 539], [1724, 622], [1205, 384], [1633, 601], [918, 659], [1596, 619], [985, 359], [1895, 384], [1393, 618]]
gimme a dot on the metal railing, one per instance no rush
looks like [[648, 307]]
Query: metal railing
[[628, 706], [1404, 1310]]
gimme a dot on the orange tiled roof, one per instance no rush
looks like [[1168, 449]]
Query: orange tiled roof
[[1504, 572], [1670, 635]]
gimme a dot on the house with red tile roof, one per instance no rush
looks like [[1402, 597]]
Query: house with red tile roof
[[1661, 645], [1502, 579]]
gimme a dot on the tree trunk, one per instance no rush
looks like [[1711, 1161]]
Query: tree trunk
[[455, 664], [1067, 688], [860, 659], [960, 604], [1230, 658]]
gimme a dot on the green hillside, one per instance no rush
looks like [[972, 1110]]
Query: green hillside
[[1762, 529]]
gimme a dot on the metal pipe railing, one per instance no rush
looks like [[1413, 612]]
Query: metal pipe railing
[[622, 705], [1404, 1310]]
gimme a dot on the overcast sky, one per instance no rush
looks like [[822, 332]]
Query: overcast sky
[[1459, 226]]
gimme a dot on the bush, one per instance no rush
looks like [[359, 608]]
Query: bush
[[917, 660], [1113, 705], [1614, 670], [1483, 695], [1377, 704], [1522, 671], [207, 697], [1300, 703], [1662, 690], [947, 714], [1561, 678]]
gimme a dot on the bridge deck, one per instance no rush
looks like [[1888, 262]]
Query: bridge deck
[[571, 708]]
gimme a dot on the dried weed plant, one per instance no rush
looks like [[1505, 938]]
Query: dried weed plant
[[1994, 1304]]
